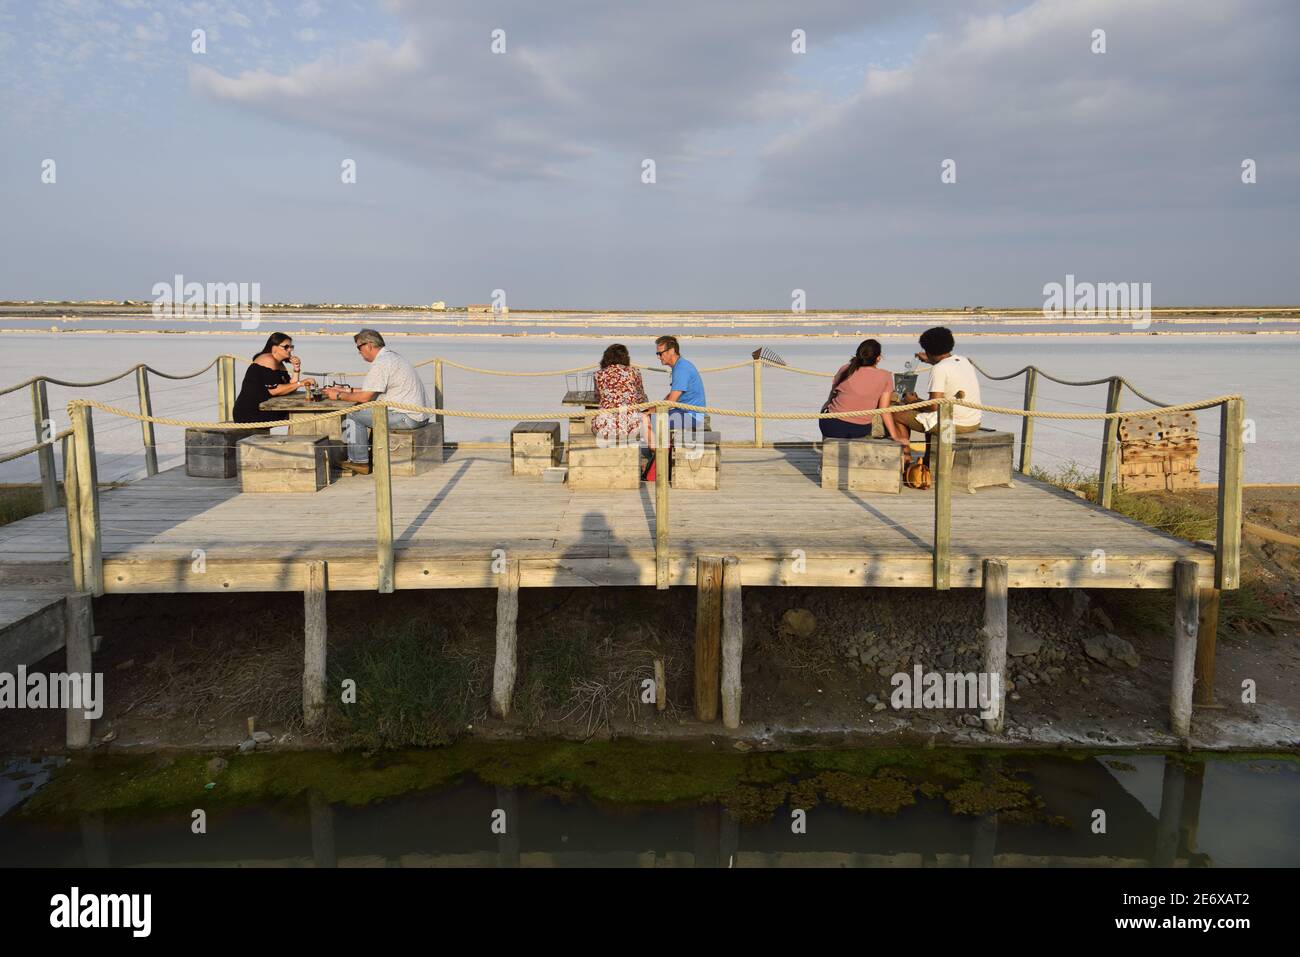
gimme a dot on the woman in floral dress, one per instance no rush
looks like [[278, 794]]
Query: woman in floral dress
[[618, 383]]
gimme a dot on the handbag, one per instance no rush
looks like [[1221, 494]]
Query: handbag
[[917, 474]]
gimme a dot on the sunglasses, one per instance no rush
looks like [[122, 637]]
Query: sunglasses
[[660, 352], [288, 348]]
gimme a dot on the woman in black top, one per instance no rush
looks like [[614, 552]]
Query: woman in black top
[[267, 377]]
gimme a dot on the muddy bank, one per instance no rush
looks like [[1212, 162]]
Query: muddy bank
[[1089, 671]]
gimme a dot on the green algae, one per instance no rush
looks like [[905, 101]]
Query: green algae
[[751, 786]]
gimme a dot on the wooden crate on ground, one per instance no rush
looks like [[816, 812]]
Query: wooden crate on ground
[[862, 465], [284, 463], [1159, 452], [696, 460], [611, 467], [981, 459], [535, 447], [415, 451], [211, 453]]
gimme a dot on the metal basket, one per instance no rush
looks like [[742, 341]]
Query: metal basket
[[580, 381]]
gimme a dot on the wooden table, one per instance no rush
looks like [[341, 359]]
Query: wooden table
[[297, 406], [588, 400]]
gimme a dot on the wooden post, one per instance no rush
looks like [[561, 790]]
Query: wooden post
[[1185, 625], [995, 639], [661, 498], [1027, 423], [733, 641], [221, 389], [316, 634], [83, 429], [44, 428], [507, 663], [1109, 444], [228, 370], [146, 428], [758, 403], [942, 477], [72, 509], [78, 625], [708, 628], [1207, 636], [661, 686], [1227, 546], [379, 460], [438, 394]]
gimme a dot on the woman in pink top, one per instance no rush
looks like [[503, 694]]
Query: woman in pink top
[[861, 384]]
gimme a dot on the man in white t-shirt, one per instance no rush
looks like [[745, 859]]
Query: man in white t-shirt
[[950, 377], [391, 376]]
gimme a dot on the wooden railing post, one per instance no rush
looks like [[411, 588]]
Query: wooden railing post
[[944, 447], [708, 635], [83, 430], [1027, 423], [758, 403], [146, 428], [72, 509], [1109, 444], [438, 395], [44, 429], [1227, 544], [221, 389], [661, 497], [232, 390], [382, 476]]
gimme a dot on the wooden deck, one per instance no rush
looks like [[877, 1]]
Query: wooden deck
[[172, 533]]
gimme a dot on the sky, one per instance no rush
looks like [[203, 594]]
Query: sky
[[524, 168]]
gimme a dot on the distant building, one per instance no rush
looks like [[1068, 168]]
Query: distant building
[[481, 308], [439, 306]]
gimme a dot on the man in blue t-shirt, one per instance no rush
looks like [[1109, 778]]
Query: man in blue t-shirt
[[686, 385]]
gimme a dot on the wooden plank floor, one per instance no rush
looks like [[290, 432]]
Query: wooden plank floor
[[175, 533]]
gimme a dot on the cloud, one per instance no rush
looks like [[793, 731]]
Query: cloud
[[577, 79], [1040, 126]]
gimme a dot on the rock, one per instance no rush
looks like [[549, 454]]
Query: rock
[[1097, 615], [878, 706], [970, 720], [1071, 603], [885, 671], [1095, 648], [864, 658], [799, 622], [1120, 650], [743, 746], [111, 736], [872, 699], [216, 766], [1022, 642], [262, 737], [246, 746]]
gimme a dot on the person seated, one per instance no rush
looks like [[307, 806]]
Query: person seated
[[861, 384], [618, 383], [951, 376], [392, 377], [266, 377], [685, 386]]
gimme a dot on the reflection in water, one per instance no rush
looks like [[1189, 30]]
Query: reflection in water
[[474, 825]]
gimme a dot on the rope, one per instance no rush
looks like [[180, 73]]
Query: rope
[[35, 448], [99, 382], [646, 406]]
